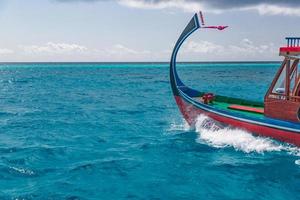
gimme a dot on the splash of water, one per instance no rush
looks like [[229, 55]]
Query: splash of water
[[216, 135], [175, 126], [220, 137], [23, 171]]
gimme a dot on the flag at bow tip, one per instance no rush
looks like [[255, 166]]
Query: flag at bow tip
[[201, 18]]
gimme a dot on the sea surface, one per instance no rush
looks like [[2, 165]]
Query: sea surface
[[113, 131]]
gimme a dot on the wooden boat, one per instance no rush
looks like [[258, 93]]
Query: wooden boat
[[277, 117]]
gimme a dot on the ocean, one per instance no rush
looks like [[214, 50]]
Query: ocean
[[113, 131]]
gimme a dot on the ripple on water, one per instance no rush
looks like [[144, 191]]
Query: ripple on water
[[22, 171], [108, 166]]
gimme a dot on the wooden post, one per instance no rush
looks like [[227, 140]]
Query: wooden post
[[294, 65], [296, 73], [287, 79]]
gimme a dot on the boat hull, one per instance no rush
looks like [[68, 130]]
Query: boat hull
[[191, 112]]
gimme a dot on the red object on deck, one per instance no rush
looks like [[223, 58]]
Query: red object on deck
[[247, 108], [208, 98]]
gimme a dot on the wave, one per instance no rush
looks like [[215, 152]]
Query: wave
[[183, 126], [216, 135], [23, 171], [219, 137]]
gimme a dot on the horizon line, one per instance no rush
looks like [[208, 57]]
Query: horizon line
[[133, 62]]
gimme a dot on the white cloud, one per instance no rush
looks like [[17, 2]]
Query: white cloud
[[181, 4], [202, 47], [191, 50], [246, 49], [194, 6], [265, 9], [54, 48], [121, 50], [6, 51], [68, 52]]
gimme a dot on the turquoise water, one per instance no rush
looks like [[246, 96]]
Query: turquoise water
[[113, 131]]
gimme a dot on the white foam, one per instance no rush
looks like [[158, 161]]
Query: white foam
[[218, 137], [23, 171], [183, 126]]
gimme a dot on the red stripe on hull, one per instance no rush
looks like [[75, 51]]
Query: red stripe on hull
[[190, 113]]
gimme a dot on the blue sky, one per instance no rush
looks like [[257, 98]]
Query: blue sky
[[143, 30]]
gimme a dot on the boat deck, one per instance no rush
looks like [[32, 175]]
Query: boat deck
[[242, 107], [225, 106]]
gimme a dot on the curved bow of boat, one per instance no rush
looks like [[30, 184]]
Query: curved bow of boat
[[176, 83]]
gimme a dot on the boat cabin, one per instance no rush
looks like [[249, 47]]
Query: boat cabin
[[282, 100]]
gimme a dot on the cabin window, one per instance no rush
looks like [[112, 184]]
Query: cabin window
[[287, 89], [280, 87]]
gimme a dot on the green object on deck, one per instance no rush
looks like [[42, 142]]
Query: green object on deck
[[225, 105]]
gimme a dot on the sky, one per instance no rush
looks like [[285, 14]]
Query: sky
[[143, 30]]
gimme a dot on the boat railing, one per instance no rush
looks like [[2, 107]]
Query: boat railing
[[291, 49], [284, 97], [293, 41]]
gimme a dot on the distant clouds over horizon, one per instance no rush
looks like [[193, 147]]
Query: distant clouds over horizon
[[143, 30]]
